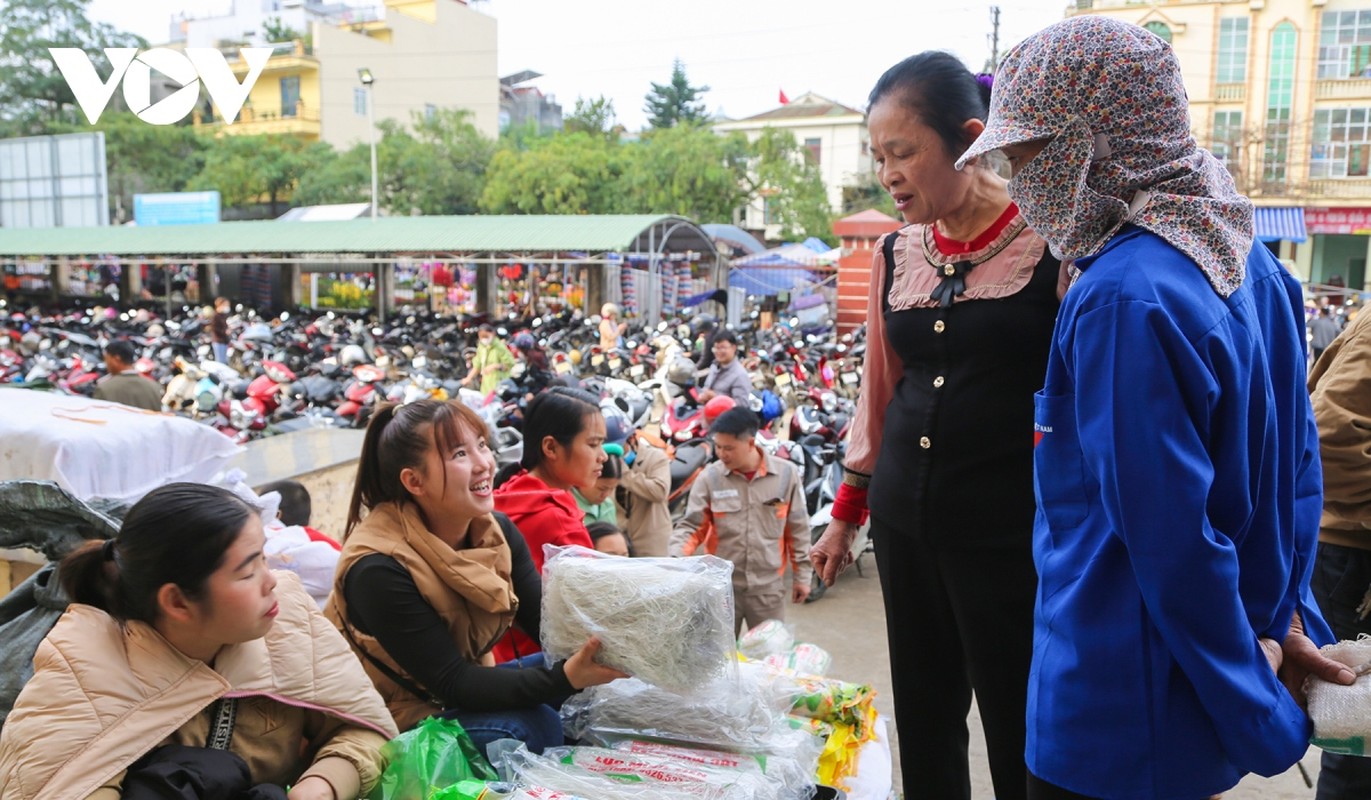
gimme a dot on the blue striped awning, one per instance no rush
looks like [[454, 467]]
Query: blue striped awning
[[1275, 224]]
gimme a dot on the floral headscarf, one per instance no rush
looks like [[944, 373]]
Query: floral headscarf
[[1110, 94]]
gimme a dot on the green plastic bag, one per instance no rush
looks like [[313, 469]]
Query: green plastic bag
[[435, 754]]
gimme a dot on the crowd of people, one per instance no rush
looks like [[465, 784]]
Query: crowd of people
[[1086, 448]]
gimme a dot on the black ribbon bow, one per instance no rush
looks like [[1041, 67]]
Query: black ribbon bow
[[952, 283]]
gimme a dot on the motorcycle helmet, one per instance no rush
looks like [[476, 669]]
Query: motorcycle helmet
[[352, 355], [523, 341], [30, 343], [681, 372], [617, 426], [717, 406], [575, 356]]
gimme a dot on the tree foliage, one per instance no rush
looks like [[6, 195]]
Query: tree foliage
[[256, 169], [677, 102], [595, 116], [790, 183], [275, 31], [570, 173], [33, 94], [438, 167], [687, 170]]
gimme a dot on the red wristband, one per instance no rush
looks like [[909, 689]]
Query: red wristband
[[850, 504]]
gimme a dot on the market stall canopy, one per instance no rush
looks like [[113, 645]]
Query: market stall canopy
[[782, 268], [636, 233], [1276, 224], [734, 236]]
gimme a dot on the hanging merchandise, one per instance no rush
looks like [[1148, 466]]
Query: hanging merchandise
[[667, 621], [685, 284], [440, 275], [628, 289]]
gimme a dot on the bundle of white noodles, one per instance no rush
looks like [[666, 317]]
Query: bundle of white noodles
[[667, 621]]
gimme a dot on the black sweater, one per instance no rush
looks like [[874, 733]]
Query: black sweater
[[383, 601]]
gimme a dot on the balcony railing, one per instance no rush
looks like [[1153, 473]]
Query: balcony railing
[[1341, 188], [250, 122], [1230, 92], [1342, 89]]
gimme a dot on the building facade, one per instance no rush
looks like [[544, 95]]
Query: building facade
[[424, 55], [1280, 90], [834, 137]]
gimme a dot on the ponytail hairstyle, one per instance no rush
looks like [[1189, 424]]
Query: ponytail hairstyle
[[941, 92], [559, 412], [398, 438], [177, 534]]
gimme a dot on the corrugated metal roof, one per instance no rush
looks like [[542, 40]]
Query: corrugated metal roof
[[455, 234]]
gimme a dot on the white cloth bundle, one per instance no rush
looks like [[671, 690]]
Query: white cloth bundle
[[1342, 714], [667, 621]]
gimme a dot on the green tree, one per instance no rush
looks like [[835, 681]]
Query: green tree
[[144, 158], [595, 116], [569, 173], [867, 193], [33, 94], [677, 102], [790, 184], [438, 167], [275, 31], [254, 169], [686, 170]]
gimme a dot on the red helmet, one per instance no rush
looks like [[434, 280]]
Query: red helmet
[[717, 406]]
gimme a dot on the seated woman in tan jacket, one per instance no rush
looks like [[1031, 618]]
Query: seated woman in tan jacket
[[180, 635]]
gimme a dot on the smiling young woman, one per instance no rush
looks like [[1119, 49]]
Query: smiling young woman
[[431, 578], [170, 618]]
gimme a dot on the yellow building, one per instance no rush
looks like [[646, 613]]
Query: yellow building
[[1281, 91], [424, 55]]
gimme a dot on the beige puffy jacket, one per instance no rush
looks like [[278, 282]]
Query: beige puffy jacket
[[103, 695]]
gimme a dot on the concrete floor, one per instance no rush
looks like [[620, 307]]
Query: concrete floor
[[849, 622]]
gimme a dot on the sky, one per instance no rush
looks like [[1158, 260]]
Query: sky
[[745, 51]]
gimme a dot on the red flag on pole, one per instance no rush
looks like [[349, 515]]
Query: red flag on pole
[[784, 99]]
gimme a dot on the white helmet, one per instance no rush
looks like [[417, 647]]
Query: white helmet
[[352, 355]]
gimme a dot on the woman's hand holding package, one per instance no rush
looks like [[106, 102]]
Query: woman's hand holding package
[[582, 670]]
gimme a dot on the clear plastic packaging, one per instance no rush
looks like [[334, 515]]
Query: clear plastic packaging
[[747, 715], [666, 621], [1342, 714], [549, 771], [771, 638], [785, 779]]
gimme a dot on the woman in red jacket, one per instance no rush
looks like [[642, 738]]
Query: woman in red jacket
[[564, 436]]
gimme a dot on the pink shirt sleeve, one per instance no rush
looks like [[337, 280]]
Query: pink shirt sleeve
[[880, 372]]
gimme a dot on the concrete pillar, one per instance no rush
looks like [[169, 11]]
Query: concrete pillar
[[595, 287], [288, 285], [130, 284], [486, 287]]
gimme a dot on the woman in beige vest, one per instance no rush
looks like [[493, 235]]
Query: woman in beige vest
[[182, 649], [430, 579]]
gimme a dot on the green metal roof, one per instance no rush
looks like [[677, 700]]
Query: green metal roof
[[456, 234]]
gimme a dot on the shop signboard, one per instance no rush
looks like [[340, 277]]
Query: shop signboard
[[1338, 220]]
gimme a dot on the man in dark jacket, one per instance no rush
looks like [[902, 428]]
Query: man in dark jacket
[[123, 385]]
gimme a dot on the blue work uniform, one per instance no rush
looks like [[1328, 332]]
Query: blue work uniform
[[1179, 491]]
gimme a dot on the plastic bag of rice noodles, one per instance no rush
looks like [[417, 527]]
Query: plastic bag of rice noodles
[[666, 621]]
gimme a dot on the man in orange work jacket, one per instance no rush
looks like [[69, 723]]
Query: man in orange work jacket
[[749, 507]]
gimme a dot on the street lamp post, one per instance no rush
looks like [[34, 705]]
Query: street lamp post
[[368, 79]]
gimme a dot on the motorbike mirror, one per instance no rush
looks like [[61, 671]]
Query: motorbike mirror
[[502, 331], [285, 316], [376, 331], [537, 322], [661, 326], [631, 343], [794, 322], [410, 319], [842, 348], [330, 315]]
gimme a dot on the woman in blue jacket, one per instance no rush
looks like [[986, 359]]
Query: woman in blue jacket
[[1176, 468]]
